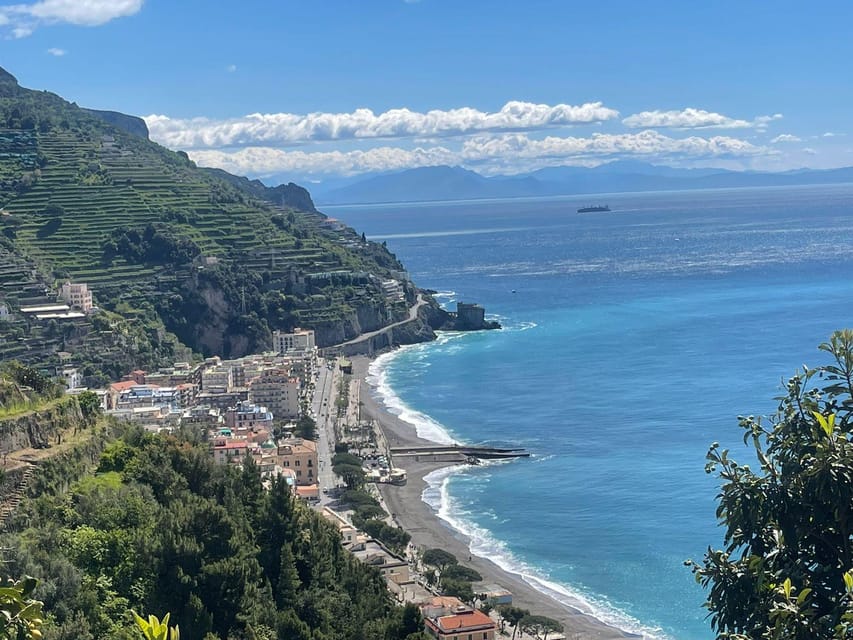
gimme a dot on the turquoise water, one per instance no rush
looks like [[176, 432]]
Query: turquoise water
[[632, 341]]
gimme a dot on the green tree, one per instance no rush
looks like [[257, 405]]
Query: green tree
[[458, 588], [539, 626], [439, 558], [346, 458], [90, 405], [53, 211], [306, 427], [352, 475], [785, 570], [461, 572], [512, 615]]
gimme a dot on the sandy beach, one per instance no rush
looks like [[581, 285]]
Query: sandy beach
[[429, 531]]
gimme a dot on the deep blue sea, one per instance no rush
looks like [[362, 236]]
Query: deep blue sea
[[632, 340]]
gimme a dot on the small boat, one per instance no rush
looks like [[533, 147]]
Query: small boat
[[597, 209]]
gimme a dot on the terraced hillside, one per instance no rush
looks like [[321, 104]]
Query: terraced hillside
[[168, 244]]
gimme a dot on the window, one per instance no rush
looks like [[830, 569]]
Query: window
[[310, 464], [297, 463]]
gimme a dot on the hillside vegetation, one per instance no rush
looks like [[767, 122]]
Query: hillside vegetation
[[216, 260], [161, 528]]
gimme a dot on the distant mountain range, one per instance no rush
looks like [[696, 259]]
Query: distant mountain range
[[456, 183]]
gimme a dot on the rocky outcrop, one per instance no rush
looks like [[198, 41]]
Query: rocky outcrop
[[284, 195], [131, 124], [37, 429], [363, 319]]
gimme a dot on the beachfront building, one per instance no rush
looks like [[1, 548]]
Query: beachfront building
[[301, 456], [77, 295], [277, 390], [300, 340], [460, 623], [372, 552]]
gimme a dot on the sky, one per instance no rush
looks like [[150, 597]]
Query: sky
[[318, 90]]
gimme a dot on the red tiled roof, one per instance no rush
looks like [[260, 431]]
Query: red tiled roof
[[461, 622], [124, 385], [232, 445]]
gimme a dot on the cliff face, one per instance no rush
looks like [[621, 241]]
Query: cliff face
[[364, 318], [8, 84], [38, 428], [284, 195], [130, 124]]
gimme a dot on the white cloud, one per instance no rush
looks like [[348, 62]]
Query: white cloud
[[644, 143], [231, 68], [510, 153], [25, 18], [761, 122], [691, 118], [829, 134], [55, 51], [289, 128], [810, 151], [785, 137]]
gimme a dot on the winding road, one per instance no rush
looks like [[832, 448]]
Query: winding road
[[413, 313]]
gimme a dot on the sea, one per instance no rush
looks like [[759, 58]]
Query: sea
[[632, 340]]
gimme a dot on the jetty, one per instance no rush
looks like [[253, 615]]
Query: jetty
[[480, 453]]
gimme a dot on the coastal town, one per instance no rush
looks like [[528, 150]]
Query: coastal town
[[294, 413], [297, 412]]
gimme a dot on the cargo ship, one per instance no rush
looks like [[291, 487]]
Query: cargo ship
[[598, 209]]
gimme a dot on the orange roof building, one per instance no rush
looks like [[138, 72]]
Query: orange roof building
[[461, 624]]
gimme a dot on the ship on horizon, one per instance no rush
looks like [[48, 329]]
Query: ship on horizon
[[595, 209]]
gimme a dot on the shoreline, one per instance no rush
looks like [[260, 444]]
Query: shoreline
[[429, 530]]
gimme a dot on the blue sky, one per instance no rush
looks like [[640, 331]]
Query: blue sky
[[339, 87]]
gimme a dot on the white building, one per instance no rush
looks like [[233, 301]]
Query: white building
[[219, 379], [73, 378], [299, 340], [277, 390], [77, 295]]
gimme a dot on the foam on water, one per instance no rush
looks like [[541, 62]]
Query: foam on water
[[482, 543], [720, 283], [377, 377]]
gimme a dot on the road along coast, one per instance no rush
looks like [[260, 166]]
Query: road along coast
[[429, 531]]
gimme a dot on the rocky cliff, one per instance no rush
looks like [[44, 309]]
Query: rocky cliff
[[38, 429], [130, 124], [284, 195]]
